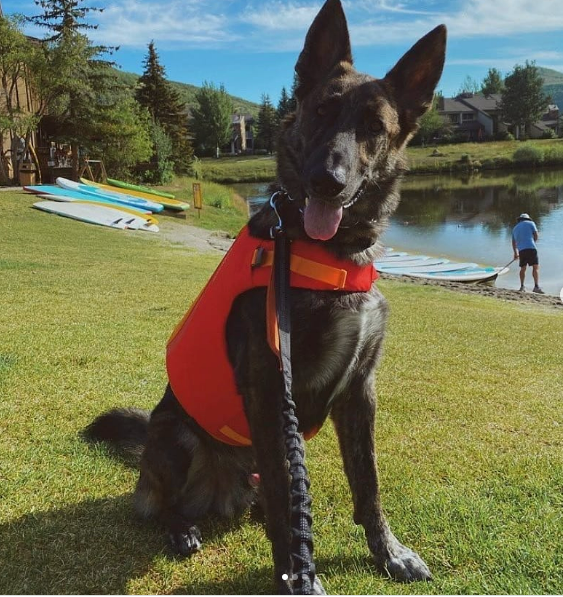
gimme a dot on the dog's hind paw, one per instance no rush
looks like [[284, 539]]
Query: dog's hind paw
[[186, 541]]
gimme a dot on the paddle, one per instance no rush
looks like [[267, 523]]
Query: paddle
[[509, 263]]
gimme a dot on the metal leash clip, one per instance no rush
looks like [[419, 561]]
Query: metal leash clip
[[273, 199]]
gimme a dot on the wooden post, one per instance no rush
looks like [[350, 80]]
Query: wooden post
[[198, 199]]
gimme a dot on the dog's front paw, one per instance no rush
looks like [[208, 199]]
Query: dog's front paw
[[185, 541], [400, 562], [288, 587], [318, 588]]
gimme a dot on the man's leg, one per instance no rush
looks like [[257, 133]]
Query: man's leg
[[536, 275], [522, 276]]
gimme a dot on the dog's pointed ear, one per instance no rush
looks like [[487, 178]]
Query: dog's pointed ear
[[414, 78], [327, 43]]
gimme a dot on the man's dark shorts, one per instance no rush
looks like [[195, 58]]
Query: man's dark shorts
[[528, 257]]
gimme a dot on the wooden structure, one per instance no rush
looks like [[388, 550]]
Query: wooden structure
[[94, 170]]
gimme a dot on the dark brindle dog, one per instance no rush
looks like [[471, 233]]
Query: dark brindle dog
[[340, 158]]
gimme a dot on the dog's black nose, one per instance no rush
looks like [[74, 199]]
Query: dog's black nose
[[327, 183]]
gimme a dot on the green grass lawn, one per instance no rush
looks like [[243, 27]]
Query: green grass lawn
[[470, 429]]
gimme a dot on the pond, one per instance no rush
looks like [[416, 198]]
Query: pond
[[471, 219]]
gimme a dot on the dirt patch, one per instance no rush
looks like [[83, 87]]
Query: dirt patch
[[504, 294], [205, 241], [219, 242]]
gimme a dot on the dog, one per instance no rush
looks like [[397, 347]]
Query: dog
[[340, 159]]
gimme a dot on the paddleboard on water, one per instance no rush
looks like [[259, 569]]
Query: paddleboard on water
[[120, 198], [59, 194], [137, 187], [168, 203], [97, 213]]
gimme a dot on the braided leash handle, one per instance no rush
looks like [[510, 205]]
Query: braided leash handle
[[303, 576]]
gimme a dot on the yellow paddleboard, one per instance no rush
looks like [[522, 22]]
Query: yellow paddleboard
[[168, 203]]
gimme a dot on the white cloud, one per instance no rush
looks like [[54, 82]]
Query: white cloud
[[280, 25], [506, 17], [280, 16], [133, 23]]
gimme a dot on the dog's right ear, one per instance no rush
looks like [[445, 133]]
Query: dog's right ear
[[327, 43]]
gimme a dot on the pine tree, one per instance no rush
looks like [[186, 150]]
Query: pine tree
[[284, 105], [492, 83], [166, 108], [267, 127], [78, 73], [64, 18]]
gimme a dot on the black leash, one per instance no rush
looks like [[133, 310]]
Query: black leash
[[303, 572]]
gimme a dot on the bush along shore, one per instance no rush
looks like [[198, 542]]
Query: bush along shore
[[440, 159]]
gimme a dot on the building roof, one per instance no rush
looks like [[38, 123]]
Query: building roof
[[453, 105], [469, 102]]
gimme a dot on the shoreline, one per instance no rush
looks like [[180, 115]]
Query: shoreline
[[218, 242]]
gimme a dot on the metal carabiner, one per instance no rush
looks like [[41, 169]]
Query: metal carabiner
[[277, 227]]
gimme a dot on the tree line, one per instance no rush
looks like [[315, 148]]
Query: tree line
[[78, 100], [148, 132], [522, 102]]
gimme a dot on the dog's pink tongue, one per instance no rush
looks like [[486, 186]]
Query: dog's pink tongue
[[321, 219]]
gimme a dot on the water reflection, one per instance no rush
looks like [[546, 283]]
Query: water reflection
[[471, 219]]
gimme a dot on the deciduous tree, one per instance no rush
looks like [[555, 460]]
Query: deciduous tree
[[16, 53], [212, 117], [523, 101]]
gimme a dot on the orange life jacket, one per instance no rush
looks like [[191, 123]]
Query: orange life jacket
[[197, 363]]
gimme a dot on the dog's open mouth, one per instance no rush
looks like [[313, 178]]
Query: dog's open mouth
[[322, 219]]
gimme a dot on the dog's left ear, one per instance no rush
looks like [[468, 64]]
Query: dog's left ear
[[414, 78], [327, 43]]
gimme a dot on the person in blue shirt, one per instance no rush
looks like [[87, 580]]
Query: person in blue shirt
[[524, 237]]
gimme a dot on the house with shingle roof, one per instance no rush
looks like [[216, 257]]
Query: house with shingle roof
[[474, 116]]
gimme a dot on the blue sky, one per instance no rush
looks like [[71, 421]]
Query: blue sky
[[251, 46]]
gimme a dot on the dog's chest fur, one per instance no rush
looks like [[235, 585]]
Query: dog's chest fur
[[335, 338]]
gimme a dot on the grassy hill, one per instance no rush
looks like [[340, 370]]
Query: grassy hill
[[187, 93], [552, 85]]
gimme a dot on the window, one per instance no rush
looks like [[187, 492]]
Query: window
[[468, 116]]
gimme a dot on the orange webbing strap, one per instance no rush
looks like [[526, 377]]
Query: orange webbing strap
[[272, 329], [332, 276]]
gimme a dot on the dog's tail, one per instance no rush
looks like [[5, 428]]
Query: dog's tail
[[125, 429]]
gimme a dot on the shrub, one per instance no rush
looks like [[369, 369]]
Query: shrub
[[528, 155], [503, 136], [549, 134], [553, 155]]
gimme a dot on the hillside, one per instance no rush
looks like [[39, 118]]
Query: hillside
[[187, 93], [552, 85]]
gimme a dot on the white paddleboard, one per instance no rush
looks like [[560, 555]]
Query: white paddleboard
[[100, 214], [118, 198]]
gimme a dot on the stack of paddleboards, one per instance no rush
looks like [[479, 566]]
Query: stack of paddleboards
[[115, 207], [436, 268]]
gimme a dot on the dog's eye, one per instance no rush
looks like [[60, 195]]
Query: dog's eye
[[321, 110], [374, 126]]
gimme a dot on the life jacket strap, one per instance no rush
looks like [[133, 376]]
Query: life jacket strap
[[335, 277]]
